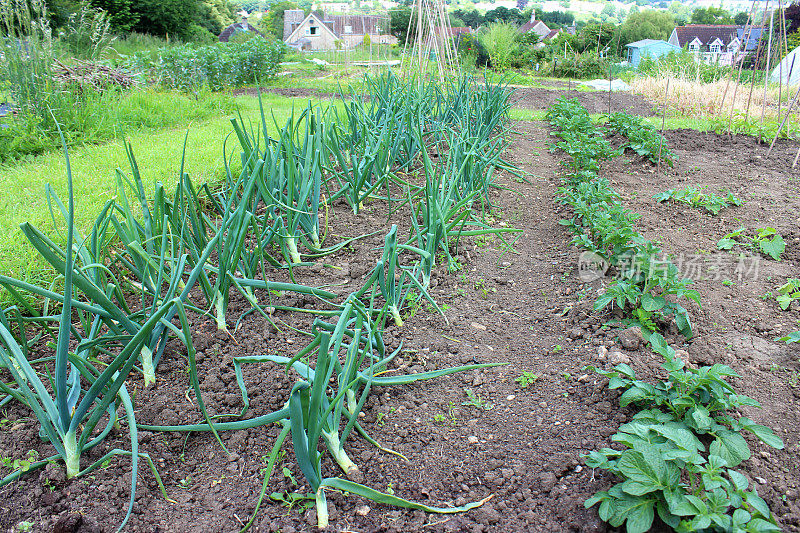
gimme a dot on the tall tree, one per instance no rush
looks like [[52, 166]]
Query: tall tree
[[648, 24], [166, 17], [272, 24], [711, 15], [121, 13]]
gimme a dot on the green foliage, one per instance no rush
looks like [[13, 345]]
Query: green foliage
[[172, 18], [231, 64], [526, 379], [765, 240], [787, 293], [87, 34], [711, 15], [594, 34], [581, 66], [471, 50], [500, 42], [647, 24], [698, 199], [272, 24], [643, 138], [474, 400], [666, 467], [399, 20], [645, 284]]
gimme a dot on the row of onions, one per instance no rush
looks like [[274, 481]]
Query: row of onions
[[134, 279]]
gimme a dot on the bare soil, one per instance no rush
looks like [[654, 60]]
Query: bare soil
[[524, 306]]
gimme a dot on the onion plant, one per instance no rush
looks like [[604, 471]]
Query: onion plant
[[394, 282], [67, 412]]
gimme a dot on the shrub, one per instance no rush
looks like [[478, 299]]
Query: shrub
[[231, 64], [500, 41], [581, 66], [471, 50]]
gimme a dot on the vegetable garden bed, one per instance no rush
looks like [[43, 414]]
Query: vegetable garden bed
[[520, 431]]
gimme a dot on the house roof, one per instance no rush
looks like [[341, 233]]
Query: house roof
[[238, 27], [752, 41], [295, 36], [536, 26], [706, 33], [644, 42], [552, 34], [359, 24]]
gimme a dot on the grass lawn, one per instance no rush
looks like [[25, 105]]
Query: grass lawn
[[158, 155]]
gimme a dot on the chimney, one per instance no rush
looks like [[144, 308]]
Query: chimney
[[291, 19], [533, 16]]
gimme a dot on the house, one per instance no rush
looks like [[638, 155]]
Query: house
[[238, 27], [752, 35], [712, 44], [324, 31], [535, 26], [652, 48]]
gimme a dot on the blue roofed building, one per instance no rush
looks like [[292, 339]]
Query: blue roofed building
[[652, 48]]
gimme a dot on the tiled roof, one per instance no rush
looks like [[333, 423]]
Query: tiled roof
[[707, 33], [359, 24]]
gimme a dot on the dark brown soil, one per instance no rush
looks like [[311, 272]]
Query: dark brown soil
[[524, 306], [593, 101]]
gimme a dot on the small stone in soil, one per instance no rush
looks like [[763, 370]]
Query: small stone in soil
[[362, 510]]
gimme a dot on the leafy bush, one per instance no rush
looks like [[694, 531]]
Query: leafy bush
[[469, 46], [500, 41], [580, 66], [666, 467], [231, 64]]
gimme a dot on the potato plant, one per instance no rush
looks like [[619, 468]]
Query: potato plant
[[647, 289], [680, 452]]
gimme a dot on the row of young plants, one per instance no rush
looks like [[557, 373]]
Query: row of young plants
[[191, 67], [148, 263], [678, 453], [646, 289], [641, 137]]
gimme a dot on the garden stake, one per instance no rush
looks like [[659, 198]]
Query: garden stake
[[766, 74], [747, 34], [663, 123], [786, 118], [755, 66]]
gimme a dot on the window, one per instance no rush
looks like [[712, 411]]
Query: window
[[715, 49], [348, 29], [312, 30], [694, 46]]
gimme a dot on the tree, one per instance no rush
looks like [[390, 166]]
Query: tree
[[593, 33], [711, 15], [399, 19], [121, 13], [608, 11], [741, 18], [680, 11], [471, 18], [272, 24], [503, 14], [649, 24]]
